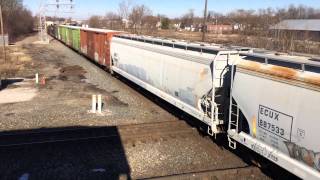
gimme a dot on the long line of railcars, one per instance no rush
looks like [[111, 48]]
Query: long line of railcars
[[266, 102]]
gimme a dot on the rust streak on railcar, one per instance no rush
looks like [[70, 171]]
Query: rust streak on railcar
[[282, 72]]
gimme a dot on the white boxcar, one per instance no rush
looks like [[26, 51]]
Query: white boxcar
[[280, 106], [178, 72]]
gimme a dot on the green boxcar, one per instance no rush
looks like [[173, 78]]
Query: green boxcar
[[56, 31], [76, 39], [69, 36], [73, 37], [63, 33]]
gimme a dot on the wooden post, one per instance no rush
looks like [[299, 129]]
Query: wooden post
[[2, 33], [204, 21]]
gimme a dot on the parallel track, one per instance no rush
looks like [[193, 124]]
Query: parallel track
[[226, 173], [126, 132]]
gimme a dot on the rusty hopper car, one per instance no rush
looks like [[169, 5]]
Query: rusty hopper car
[[189, 76], [274, 111]]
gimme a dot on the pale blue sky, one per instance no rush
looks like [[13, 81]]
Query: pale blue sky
[[172, 8]]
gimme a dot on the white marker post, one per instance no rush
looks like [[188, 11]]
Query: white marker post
[[37, 78], [94, 104], [99, 104]]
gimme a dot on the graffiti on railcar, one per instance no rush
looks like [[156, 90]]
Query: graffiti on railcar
[[302, 154]]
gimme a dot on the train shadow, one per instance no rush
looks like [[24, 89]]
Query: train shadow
[[41, 154]]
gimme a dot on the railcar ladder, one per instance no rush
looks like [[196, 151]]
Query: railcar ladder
[[233, 122], [215, 121], [234, 113]]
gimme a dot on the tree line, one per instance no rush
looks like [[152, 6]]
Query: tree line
[[17, 19], [252, 27], [251, 22], [134, 18]]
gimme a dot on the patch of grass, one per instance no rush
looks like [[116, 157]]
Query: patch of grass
[[15, 61]]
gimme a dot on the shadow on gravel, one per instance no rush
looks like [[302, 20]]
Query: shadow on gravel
[[88, 153], [7, 82]]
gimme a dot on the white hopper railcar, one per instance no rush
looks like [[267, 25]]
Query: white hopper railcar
[[181, 73], [274, 111]]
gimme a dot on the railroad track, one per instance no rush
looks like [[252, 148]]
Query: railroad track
[[158, 130], [227, 173]]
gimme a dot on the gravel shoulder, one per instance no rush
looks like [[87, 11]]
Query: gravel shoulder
[[65, 99]]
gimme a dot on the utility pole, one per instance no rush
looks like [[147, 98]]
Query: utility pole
[[2, 33], [42, 23], [204, 25]]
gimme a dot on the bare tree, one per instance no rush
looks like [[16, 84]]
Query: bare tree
[[124, 11], [95, 22], [17, 19], [150, 22], [188, 18], [112, 21], [137, 17]]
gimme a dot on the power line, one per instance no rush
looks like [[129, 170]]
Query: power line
[[52, 6]]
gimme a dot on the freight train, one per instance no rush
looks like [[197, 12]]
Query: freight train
[[266, 102]]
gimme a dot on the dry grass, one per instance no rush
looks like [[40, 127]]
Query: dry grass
[[15, 61], [8, 69]]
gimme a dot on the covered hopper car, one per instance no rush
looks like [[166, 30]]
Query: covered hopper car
[[267, 103], [274, 111]]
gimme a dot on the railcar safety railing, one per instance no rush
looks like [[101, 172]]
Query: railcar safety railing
[[289, 62], [179, 44]]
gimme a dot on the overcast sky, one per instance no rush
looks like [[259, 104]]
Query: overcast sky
[[172, 8]]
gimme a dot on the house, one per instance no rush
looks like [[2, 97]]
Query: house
[[219, 28], [49, 23], [159, 25], [190, 28], [126, 22], [177, 26], [303, 28]]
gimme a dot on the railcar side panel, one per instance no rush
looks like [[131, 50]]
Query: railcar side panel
[[76, 39], [56, 32], [90, 44], [281, 113], [63, 34], [59, 33], [69, 37], [96, 46], [84, 42], [158, 70]]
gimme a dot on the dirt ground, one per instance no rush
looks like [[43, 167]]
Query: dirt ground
[[63, 98]]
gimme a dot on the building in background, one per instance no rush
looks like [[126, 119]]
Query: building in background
[[219, 28], [304, 29]]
